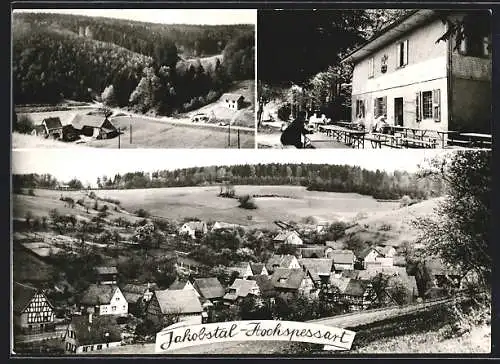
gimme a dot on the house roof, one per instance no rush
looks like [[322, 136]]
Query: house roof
[[178, 301], [284, 235], [177, 284], [106, 270], [94, 121], [375, 270], [138, 288], [232, 96], [98, 294], [22, 295], [257, 268], [265, 285], [282, 261], [341, 283], [343, 256], [390, 33], [384, 250], [209, 287], [356, 287], [311, 251], [288, 278], [364, 253], [224, 225], [317, 266], [133, 297], [243, 288], [98, 328], [52, 123]]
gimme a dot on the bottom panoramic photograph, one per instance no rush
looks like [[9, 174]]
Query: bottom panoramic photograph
[[345, 253]]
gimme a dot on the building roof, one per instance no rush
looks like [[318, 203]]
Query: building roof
[[95, 332], [257, 268], [356, 287], [106, 270], [288, 278], [243, 288], [98, 294], [52, 123], [219, 225], [231, 96], [364, 253], [284, 235], [282, 261], [343, 256], [138, 288], [178, 301], [22, 295], [178, 284], [317, 266], [341, 283], [390, 33], [133, 297], [209, 288], [94, 121], [265, 285], [312, 251], [384, 250], [372, 271]]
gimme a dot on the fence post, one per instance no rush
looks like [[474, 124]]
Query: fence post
[[229, 135], [238, 138]]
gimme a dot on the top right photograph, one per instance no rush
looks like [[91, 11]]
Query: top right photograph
[[374, 78]]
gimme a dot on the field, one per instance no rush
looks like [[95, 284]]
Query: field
[[294, 203]]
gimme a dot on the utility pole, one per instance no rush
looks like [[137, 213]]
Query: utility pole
[[238, 138], [119, 135]]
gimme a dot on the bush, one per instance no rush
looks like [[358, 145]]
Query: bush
[[23, 124], [247, 202], [385, 227], [142, 213]]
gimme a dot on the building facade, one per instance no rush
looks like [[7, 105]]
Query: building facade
[[33, 312]]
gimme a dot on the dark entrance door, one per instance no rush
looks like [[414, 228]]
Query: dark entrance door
[[398, 111]]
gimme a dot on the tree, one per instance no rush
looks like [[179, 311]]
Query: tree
[[459, 231], [23, 124], [108, 96]]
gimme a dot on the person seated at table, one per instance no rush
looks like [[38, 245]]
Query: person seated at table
[[292, 135], [380, 124]]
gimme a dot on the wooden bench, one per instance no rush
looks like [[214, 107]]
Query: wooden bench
[[379, 139], [418, 143], [459, 142]]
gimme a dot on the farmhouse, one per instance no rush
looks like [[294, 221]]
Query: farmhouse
[[89, 333], [233, 101], [137, 295], [282, 261], [265, 284], [343, 260], [50, 127], [316, 251], [288, 237], [106, 275], [319, 268], [220, 225], [33, 312], [241, 288], [357, 294], [403, 72], [94, 126], [243, 269], [292, 281], [372, 258], [193, 229], [104, 299], [181, 303], [209, 288], [258, 269]]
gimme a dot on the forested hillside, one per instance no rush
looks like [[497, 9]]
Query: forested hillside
[[319, 177], [149, 66]]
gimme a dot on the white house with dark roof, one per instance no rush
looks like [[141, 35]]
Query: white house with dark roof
[[288, 237], [418, 82], [241, 288], [233, 101], [193, 228], [104, 299], [88, 333]]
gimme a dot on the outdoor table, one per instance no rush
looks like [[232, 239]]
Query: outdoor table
[[477, 138], [354, 138], [442, 134]]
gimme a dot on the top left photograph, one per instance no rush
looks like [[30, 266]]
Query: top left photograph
[[133, 78]]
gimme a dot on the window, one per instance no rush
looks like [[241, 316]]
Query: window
[[402, 54], [117, 298], [113, 308], [85, 348], [99, 346], [477, 37], [360, 108], [371, 67], [428, 105], [380, 106]]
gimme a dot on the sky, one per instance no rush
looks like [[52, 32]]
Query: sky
[[165, 16], [87, 164]]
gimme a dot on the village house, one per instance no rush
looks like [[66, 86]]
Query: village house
[[397, 277], [95, 126], [106, 275], [219, 225], [104, 299], [244, 270], [288, 237], [183, 304], [240, 289], [233, 101], [50, 127], [442, 275], [343, 260], [265, 284], [137, 295], [32, 311], [89, 333], [209, 289], [403, 72], [357, 294], [292, 282], [313, 251], [386, 251], [320, 269], [189, 266], [282, 261], [368, 257], [193, 229]]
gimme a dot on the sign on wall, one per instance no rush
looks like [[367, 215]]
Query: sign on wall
[[177, 336]]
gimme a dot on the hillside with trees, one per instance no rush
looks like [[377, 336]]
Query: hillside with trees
[[316, 177], [145, 67]]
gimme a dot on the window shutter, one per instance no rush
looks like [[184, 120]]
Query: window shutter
[[398, 55], [405, 52], [436, 105], [384, 106], [417, 107], [375, 108]]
